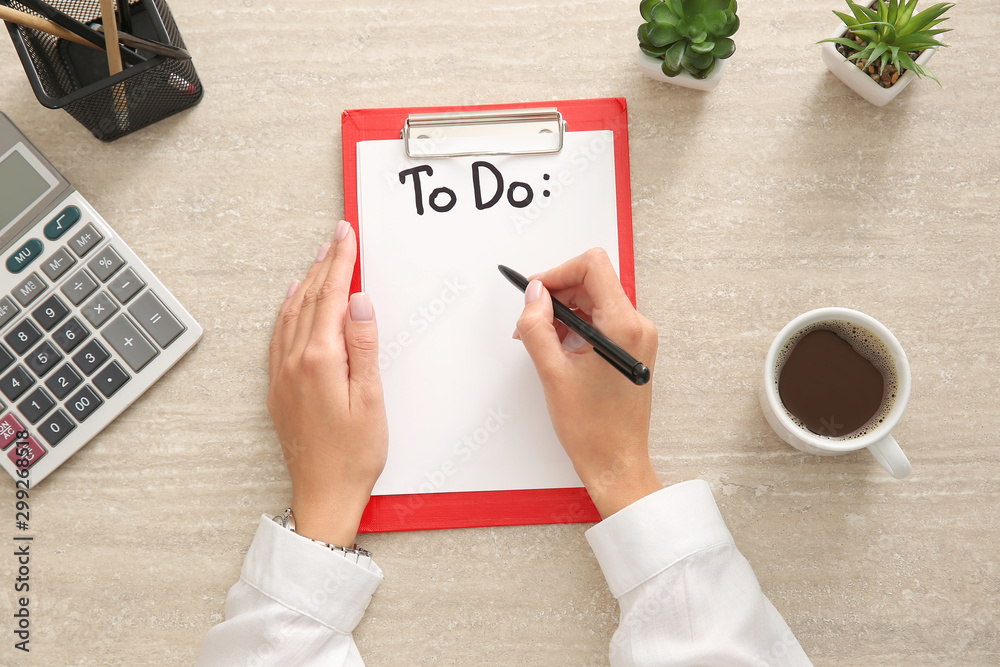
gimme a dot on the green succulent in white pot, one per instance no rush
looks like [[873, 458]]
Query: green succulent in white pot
[[882, 47], [687, 42]]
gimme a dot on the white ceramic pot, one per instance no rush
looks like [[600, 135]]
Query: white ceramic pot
[[861, 83], [653, 68]]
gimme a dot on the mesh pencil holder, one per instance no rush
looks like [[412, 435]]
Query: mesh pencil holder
[[68, 76]]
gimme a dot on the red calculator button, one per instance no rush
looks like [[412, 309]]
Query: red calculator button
[[9, 426], [35, 452]]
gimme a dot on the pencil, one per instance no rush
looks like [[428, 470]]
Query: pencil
[[111, 36]]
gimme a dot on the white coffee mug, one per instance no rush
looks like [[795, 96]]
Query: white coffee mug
[[878, 441]]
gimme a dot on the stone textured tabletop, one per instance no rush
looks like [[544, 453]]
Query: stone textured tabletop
[[778, 192]]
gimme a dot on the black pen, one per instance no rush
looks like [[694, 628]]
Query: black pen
[[628, 365]]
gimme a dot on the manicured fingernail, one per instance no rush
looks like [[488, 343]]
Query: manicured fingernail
[[342, 228], [291, 289], [361, 307], [573, 341], [533, 292], [517, 334], [321, 255]]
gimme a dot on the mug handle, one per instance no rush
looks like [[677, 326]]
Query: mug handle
[[888, 452]]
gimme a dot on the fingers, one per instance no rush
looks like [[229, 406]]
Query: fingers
[[276, 350], [538, 334], [316, 290], [361, 337], [294, 324], [293, 320], [335, 285], [592, 270], [589, 283], [576, 298]]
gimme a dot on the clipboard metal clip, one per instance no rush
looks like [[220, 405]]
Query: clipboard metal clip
[[468, 133]]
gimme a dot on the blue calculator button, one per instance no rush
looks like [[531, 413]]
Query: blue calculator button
[[24, 256], [62, 222]]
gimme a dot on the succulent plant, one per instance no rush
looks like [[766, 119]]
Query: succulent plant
[[891, 31], [688, 34]]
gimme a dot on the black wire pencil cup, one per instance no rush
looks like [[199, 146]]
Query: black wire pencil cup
[[61, 45]]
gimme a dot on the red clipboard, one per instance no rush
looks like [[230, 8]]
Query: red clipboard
[[490, 508]]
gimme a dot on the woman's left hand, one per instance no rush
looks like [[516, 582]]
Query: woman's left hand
[[325, 396]]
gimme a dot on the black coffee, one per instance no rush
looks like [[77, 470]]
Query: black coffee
[[836, 379]]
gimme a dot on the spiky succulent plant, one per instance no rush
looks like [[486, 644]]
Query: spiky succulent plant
[[688, 34], [890, 31]]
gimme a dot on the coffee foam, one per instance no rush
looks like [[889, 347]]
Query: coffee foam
[[869, 346]]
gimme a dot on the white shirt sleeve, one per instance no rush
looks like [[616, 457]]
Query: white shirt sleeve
[[296, 603], [687, 595]]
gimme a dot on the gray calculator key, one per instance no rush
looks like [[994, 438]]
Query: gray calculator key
[[156, 319], [58, 263], [85, 240], [106, 263], [8, 309], [29, 289], [126, 340], [126, 285], [79, 287], [99, 309]]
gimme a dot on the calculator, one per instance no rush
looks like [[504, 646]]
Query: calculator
[[85, 326]]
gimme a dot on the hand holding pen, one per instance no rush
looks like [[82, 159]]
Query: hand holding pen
[[601, 419]]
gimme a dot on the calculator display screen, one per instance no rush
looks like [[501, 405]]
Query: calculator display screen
[[20, 186]]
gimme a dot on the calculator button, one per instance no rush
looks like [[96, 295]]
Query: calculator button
[[85, 240], [63, 381], [111, 378], [36, 405], [60, 224], [91, 356], [126, 340], [34, 451], [6, 358], [83, 403], [126, 286], [30, 289], [16, 383], [99, 309], [24, 255], [79, 287], [8, 309], [106, 263], [43, 358], [156, 319], [58, 263], [9, 426], [23, 336], [69, 335], [56, 428], [51, 312]]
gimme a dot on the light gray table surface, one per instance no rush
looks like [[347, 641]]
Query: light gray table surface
[[778, 192]]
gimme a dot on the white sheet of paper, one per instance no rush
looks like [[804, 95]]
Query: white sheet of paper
[[466, 409]]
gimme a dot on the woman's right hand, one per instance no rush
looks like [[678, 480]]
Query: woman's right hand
[[600, 417]]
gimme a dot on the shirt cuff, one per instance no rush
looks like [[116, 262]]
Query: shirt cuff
[[309, 578], [637, 543]]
